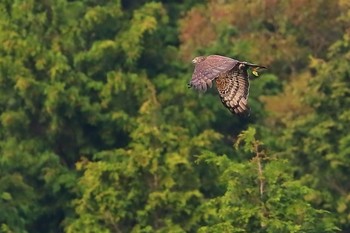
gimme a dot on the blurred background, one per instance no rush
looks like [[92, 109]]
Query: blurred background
[[99, 132]]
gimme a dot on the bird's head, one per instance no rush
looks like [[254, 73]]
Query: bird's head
[[199, 59]]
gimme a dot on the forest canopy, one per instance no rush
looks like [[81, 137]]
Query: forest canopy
[[99, 132]]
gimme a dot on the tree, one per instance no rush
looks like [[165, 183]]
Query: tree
[[273, 33], [261, 195], [61, 62], [318, 142], [99, 132]]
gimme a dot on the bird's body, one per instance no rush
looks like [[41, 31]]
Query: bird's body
[[231, 79]]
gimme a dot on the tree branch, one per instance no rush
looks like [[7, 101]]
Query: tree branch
[[257, 158]]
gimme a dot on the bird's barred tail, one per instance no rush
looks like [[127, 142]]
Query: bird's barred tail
[[254, 65]]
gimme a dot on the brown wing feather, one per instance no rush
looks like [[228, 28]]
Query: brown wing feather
[[233, 88], [209, 69]]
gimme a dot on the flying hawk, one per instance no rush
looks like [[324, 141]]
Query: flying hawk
[[231, 78]]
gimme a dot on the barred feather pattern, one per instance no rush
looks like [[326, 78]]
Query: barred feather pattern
[[231, 78], [233, 88]]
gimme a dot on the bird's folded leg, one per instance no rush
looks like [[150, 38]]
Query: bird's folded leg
[[255, 71]]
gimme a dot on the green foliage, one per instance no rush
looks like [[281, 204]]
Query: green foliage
[[318, 143], [99, 133], [278, 34], [261, 195], [56, 102], [151, 185]]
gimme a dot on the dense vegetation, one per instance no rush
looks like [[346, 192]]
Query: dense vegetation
[[99, 132]]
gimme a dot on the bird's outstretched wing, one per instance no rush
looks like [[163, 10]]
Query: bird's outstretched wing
[[233, 88], [209, 69]]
